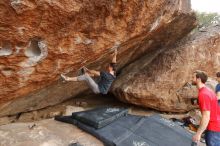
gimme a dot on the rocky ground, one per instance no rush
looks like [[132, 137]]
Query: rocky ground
[[33, 129], [45, 133], [81, 103]]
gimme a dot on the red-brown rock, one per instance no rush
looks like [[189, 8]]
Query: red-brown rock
[[162, 80], [40, 39]]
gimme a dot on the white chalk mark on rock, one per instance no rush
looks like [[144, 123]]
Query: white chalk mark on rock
[[6, 49]]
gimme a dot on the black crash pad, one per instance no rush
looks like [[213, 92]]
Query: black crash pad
[[100, 117], [138, 131], [144, 131]]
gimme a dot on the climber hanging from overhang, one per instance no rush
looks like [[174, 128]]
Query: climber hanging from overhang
[[106, 78]]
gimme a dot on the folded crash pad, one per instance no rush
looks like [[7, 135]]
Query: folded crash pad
[[134, 130], [108, 134], [145, 131], [100, 117]]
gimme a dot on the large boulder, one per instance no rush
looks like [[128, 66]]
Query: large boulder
[[162, 81], [41, 39]]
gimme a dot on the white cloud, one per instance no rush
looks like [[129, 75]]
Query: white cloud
[[206, 5]]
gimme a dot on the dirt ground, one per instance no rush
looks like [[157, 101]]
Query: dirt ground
[[38, 127]]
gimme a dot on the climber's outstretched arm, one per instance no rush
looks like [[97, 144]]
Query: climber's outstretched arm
[[114, 59]]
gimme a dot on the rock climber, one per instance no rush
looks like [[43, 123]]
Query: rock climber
[[106, 77]]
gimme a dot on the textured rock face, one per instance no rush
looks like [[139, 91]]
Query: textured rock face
[[163, 81], [44, 133], [41, 39]]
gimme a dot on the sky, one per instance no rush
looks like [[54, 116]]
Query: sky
[[206, 5]]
